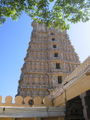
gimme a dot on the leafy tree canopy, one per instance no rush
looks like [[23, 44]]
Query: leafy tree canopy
[[54, 13]]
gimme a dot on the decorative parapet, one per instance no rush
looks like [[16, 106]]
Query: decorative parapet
[[29, 107], [26, 102]]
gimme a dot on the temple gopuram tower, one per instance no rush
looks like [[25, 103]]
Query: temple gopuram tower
[[50, 58]]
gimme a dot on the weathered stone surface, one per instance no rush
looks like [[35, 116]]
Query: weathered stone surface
[[27, 100], [25, 112], [8, 100], [18, 100], [50, 58], [47, 101], [37, 101]]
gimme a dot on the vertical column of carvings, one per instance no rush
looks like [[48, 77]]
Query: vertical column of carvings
[[48, 63], [70, 57], [54, 48], [63, 46], [23, 88], [43, 65], [35, 65], [67, 59]]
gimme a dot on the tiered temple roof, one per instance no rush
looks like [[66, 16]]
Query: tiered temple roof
[[50, 58]]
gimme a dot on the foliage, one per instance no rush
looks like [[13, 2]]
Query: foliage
[[61, 14]]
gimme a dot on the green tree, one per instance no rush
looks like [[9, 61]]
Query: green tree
[[61, 14]]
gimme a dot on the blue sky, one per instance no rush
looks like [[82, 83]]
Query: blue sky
[[14, 38]]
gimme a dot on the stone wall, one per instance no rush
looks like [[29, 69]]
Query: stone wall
[[56, 118]]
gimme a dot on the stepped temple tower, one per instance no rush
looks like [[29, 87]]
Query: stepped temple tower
[[53, 84], [50, 58]]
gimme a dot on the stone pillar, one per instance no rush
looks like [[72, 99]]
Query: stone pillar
[[87, 104], [82, 96]]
